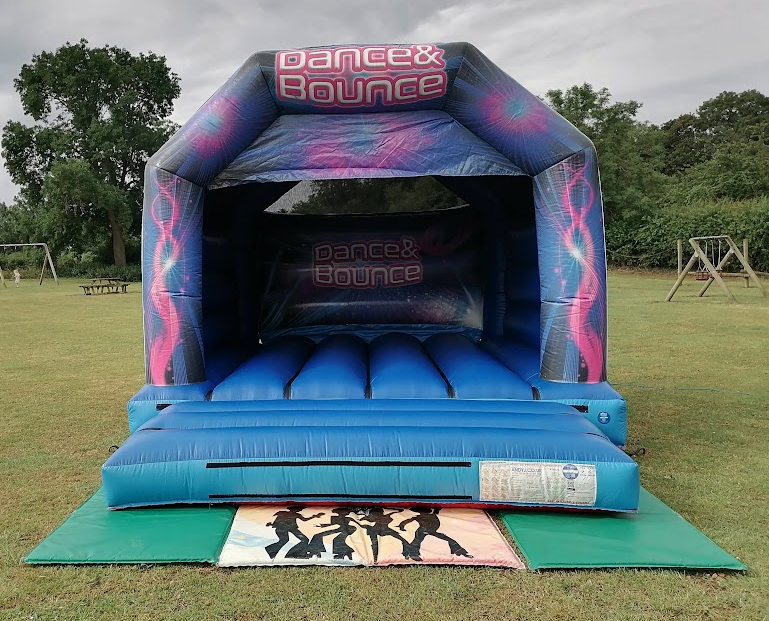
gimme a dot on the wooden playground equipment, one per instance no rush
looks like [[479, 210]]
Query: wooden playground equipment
[[710, 269], [47, 260]]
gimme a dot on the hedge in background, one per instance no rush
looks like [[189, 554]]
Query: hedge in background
[[29, 261], [652, 244]]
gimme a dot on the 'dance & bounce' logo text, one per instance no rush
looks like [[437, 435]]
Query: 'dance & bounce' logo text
[[366, 264], [359, 76]]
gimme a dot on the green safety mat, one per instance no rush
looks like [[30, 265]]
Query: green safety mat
[[656, 536], [94, 534]]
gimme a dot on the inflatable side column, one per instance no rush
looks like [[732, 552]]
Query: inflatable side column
[[172, 231], [172, 279], [173, 216], [572, 270], [569, 219], [171, 290]]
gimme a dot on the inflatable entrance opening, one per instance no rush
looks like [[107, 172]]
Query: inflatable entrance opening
[[454, 356]]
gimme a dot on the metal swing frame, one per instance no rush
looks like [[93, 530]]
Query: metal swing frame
[[714, 271], [47, 260]]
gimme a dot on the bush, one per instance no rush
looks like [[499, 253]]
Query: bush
[[29, 262], [129, 273], [68, 264], [652, 243]]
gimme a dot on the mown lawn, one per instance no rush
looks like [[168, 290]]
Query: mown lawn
[[695, 373]]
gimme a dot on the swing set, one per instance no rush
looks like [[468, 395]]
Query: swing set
[[710, 264], [47, 261]]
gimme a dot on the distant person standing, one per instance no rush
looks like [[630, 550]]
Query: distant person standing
[[16, 277]]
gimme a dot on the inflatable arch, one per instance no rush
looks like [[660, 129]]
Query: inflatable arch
[[456, 356]]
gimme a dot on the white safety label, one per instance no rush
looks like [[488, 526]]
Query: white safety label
[[538, 483]]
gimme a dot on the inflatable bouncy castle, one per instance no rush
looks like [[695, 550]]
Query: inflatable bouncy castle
[[449, 358]]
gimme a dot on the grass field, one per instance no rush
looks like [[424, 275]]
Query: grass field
[[695, 373]]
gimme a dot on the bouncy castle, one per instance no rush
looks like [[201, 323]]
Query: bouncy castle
[[448, 358]]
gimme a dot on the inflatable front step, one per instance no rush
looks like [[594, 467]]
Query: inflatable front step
[[436, 452]]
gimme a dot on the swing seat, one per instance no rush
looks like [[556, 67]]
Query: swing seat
[[702, 275]]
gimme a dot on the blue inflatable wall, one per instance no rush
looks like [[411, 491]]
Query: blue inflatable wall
[[446, 357]]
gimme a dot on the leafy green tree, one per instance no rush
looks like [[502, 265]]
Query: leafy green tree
[[592, 111], [735, 117], [736, 172], [728, 118], [13, 227], [629, 152], [25, 221], [684, 144], [347, 196], [99, 113]]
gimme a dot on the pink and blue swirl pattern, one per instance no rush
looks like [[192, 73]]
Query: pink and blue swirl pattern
[[221, 129], [394, 144], [572, 268], [171, 279]]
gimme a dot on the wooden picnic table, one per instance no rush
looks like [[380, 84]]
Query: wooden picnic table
[[105, 285]]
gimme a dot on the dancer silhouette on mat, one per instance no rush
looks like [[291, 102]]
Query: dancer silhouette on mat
[[285, 523], [308, 549], [428, 523], [344, 528], [317, 546], [381, 528]]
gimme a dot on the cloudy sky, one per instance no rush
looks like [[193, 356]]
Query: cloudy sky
[[669, 54]]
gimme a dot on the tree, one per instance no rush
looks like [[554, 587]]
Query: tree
[[735, 117], [345, 196], [629, 152], [728, 118], [99, 114], [737, 172], [684, 143]]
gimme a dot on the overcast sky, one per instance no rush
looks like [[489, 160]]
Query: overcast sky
[[669, 54]]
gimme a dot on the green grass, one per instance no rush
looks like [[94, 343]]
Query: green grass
[[69, 363]]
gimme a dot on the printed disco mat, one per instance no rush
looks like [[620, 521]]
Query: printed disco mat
[[370, 536]]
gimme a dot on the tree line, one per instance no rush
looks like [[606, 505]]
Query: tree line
[[99, 112]]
